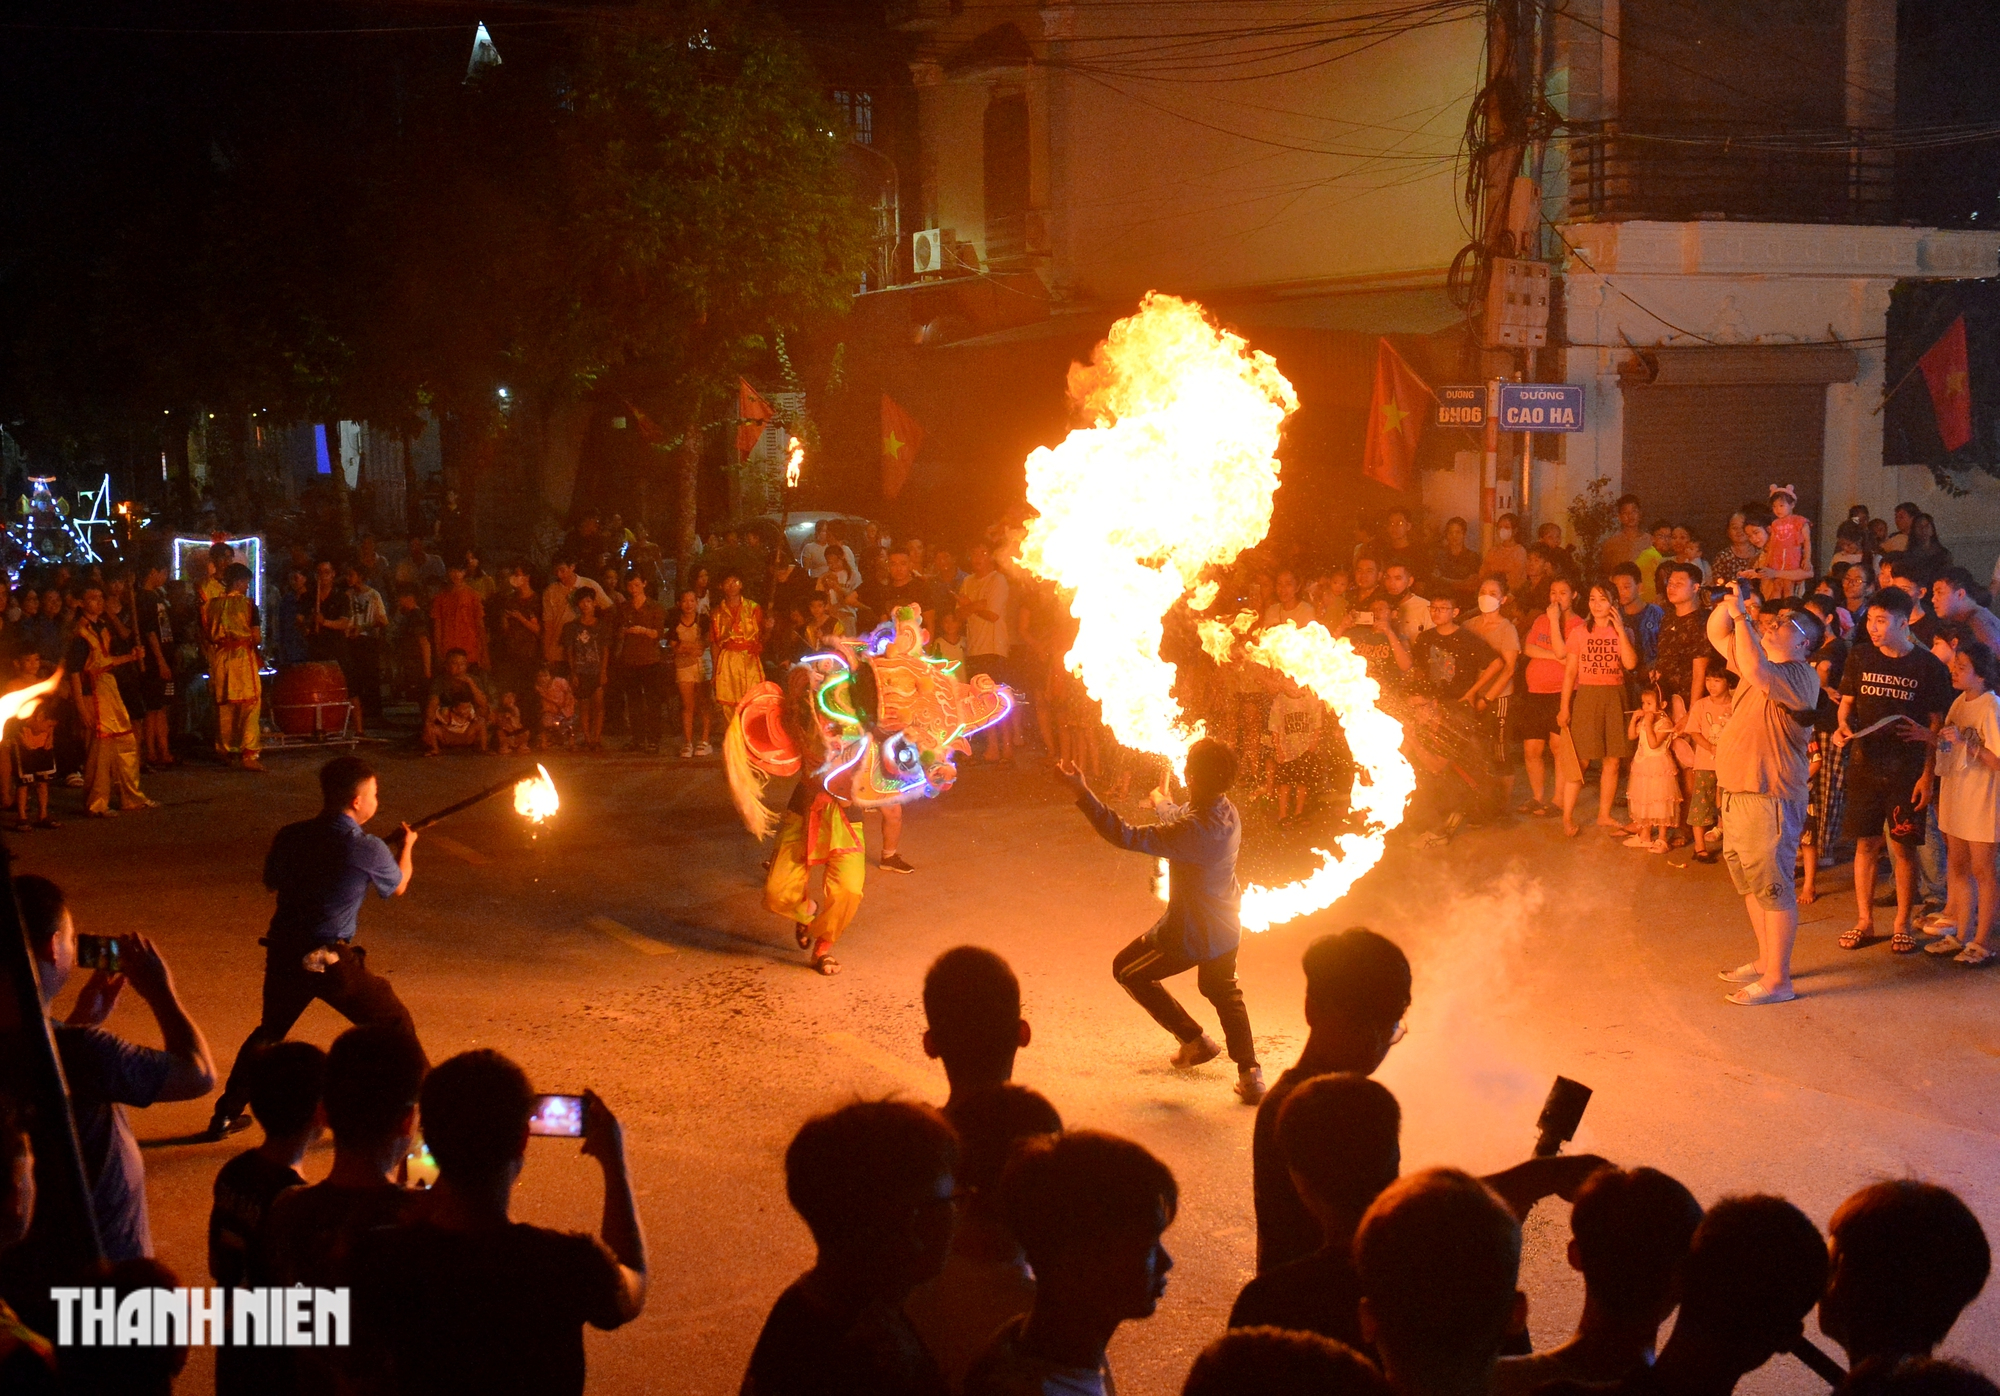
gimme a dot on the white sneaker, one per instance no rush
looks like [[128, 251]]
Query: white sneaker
[[687, 750], [1638, 841], [704, 749]]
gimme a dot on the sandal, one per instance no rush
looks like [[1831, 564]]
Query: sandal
[[1530, 807], [1945, 945], [802, 930], [1856, 936], [823, 960], [1903, 942], [1973, 954]]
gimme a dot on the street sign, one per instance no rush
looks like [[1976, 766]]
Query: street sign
[[1461, 405], [1541, 407]]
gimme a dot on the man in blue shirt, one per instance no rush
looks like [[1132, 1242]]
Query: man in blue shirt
[[322, 869], [1200, 930]]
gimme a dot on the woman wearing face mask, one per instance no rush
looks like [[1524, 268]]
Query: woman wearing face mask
[[1507, 557], [1498, 632]]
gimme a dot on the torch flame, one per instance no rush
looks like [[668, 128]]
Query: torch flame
[[1174, 476], [536, 797], [22, 700], [795, 456]]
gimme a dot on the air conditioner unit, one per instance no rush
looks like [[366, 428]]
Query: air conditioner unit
[[931, 250]]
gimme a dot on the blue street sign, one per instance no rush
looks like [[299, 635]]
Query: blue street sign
[[1541, 407], [1461, 405]]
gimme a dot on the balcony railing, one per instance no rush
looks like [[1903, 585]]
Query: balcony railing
[[1687, 173]]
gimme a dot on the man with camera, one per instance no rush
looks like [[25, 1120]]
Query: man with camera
[[105, 1072], [321, 868], [1761, 770]]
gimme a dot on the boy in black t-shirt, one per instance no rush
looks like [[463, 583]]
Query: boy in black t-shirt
[[285, 1096], [1888, 682], [1448, 660]]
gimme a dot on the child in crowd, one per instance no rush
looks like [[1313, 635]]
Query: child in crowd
[[1653, 794], [31, 749], [510, 733], [587, 649], [1296, 719], [1701, 730], [1787, 559], [949, 644], [286, 1085], [558, 710], [694, 667]]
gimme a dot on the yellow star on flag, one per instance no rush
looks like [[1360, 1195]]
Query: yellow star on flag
[[892, 447], [1955, 384], [1393, 415]]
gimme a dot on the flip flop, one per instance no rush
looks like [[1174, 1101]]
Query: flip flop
[[1903, 942], [1755, 996], [1854, 937]]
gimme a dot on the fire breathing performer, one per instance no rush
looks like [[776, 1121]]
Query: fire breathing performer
[[235, 630], [1200, 929], [871, 724], [321, 868]]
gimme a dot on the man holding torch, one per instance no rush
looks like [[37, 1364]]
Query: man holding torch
[[321, 868], [1200, 930]]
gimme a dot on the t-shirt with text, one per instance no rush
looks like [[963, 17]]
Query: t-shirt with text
[[1915, 685]]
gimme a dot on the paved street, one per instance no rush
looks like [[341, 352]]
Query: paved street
[[625, 949]]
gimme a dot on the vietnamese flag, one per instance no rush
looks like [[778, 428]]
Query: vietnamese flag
[[1396, 410], [1949, 376], [901, 438], [753, 414]]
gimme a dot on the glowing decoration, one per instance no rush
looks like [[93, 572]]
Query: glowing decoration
[[46, 533], [536, 797], [891, 718], [249, 552], [795, 457], [1174, 477]]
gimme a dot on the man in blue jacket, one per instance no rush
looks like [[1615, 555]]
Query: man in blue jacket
[[1200, 930]]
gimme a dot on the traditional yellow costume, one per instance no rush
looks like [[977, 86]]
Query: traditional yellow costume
[[232, 673], [114, 750], [738, 627]]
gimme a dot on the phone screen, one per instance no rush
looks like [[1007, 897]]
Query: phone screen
[[558, 1116], [98, 952]]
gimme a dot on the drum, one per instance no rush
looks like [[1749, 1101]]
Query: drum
[[309, 698]]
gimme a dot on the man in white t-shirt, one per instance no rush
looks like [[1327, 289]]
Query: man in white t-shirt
[[982, 602], [1410, 611], [1290, 606]]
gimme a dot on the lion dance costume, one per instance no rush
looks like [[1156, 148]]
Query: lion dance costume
[[873, 722]]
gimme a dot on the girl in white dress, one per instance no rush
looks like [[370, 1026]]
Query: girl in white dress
[[1968, 766], [1653, 794]]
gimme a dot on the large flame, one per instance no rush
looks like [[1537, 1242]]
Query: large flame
[[1174, 476], [22, 700], [795, 458], [536, 796]]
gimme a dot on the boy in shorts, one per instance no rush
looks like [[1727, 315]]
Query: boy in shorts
[[31, 750], [586, 649]]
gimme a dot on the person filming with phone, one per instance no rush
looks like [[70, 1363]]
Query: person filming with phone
[[460, 1297], [321, 869], [105, 1072]]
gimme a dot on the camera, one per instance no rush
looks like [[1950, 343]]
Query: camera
[[100, 952]]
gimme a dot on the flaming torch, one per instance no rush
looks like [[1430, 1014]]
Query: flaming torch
[[795, 456], [1173, 477], [22, 700], [534, 796]]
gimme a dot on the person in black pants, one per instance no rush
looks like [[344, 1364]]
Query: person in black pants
[[321, 868], [1200, 930]]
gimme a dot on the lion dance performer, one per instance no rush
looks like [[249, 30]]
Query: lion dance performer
[[872, 723]]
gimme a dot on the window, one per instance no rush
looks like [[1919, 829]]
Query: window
[[857, 115], [1006, 183]]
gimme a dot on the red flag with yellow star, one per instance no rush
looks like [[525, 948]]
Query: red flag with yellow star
[[901, 436], [1949, 376], [753, 414], [1396, 411]]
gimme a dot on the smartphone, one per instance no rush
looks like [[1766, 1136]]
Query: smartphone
[[1746, 588], [99, 952], [557, 1116]]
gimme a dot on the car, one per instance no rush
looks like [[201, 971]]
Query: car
[[798, 528]]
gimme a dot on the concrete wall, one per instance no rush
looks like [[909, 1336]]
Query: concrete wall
[[1648, 284], [1151, 176]]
